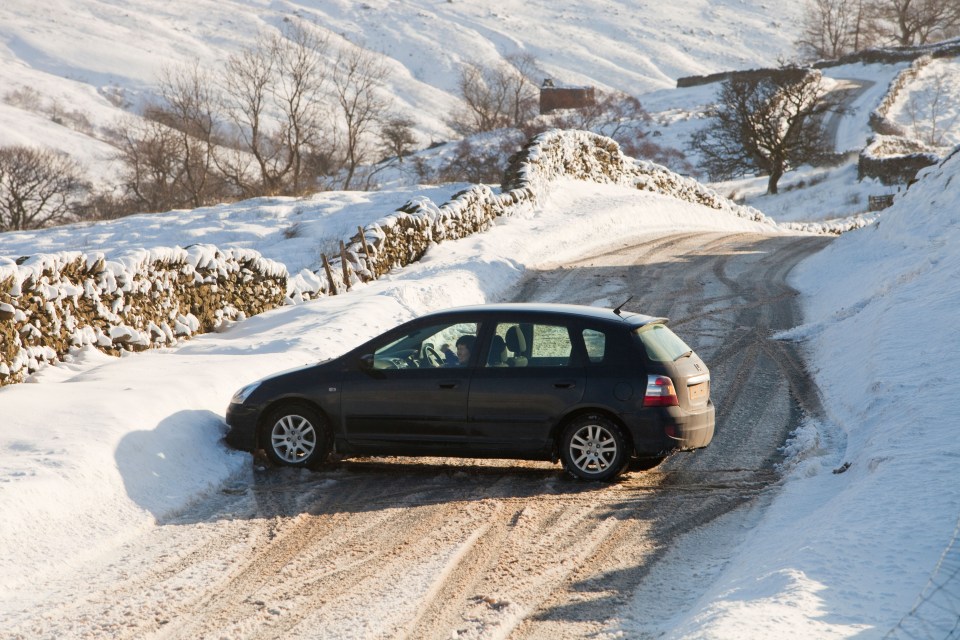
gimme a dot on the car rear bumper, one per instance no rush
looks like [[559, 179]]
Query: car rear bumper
[[690, 430], [662, 430], [242, 421]]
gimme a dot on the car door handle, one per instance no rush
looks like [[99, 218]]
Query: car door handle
[[449, 384], [565, 384]]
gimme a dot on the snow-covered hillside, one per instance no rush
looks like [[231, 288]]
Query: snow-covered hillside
[[70, 68]]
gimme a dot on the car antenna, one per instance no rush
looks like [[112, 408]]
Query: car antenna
[[617, 310]]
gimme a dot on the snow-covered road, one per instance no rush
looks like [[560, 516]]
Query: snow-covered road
[[394, 547]]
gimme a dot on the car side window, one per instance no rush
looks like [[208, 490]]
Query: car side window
[[432, 347], [551, 346], [596, 345], [508, 346]]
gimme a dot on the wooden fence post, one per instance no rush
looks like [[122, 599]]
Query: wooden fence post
[[326, 267], [345, 265], [368, 253]]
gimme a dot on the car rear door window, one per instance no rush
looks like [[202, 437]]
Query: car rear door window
[[595, 343], [551, 346], [508, 346]]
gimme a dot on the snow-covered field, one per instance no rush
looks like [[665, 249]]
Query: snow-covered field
[[929, 108]]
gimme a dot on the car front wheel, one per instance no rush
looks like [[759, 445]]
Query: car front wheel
[[296, 435], [593, 448]]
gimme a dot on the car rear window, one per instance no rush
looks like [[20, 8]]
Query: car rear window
[[660, 343]]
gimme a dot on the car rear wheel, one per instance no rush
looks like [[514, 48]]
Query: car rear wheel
[[296, 435], [593, 448]]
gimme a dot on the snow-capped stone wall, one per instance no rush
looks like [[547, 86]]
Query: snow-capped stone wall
[[403, 236], [50, 304], [879, 120], [894, 160]]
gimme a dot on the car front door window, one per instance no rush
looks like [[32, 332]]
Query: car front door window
[[431, 347]]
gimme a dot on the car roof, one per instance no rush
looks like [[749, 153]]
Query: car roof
[[568, 310]]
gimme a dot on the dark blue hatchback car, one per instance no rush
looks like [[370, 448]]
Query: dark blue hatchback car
[[591, 387]]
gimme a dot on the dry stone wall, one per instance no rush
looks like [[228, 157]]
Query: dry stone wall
[[51, 304], [894, 160]]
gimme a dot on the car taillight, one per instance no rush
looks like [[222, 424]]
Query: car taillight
[[660, 392]]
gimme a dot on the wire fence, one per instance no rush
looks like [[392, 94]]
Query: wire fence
[[936, 613]]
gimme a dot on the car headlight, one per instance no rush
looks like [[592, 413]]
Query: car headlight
[[241, 396]]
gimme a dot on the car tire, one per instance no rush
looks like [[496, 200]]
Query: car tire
[[594, 448], [295, 435]]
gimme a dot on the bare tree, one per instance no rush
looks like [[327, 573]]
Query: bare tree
[[272, 97], [766, 124], [168, 156], [189, 108], [357, 78], [485, 98], [247, 85], [830, 28], [38, 187], [914, 22], [496, 97], [522, 90], [152, 165], [301, 81]]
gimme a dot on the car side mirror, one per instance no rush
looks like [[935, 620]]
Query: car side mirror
[[366, 362]]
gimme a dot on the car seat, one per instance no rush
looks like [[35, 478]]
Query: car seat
[[498, 353], [517, 345]]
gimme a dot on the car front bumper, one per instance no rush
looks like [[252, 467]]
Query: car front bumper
[[242, 420]]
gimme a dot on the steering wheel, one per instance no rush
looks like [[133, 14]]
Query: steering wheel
[[432, 356]]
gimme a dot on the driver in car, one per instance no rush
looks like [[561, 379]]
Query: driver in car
[[464, 347]]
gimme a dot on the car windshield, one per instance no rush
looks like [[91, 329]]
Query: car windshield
[[662, 344]]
